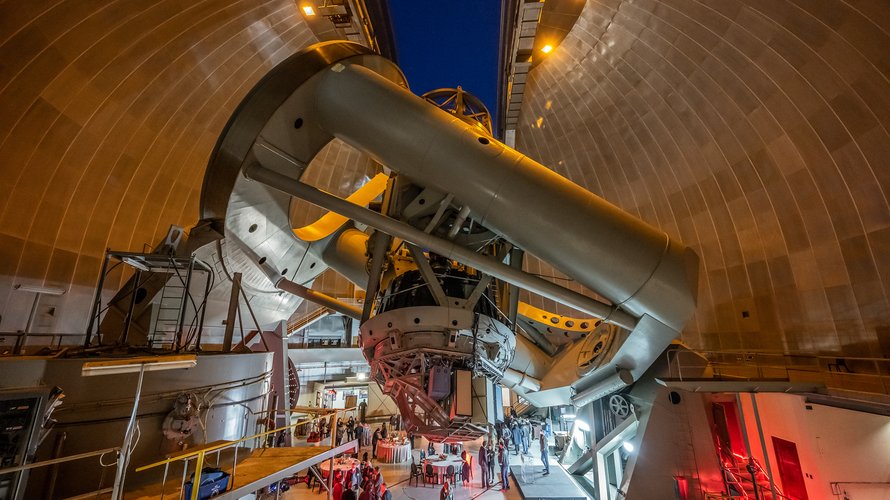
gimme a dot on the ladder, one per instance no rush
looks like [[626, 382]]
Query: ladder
[[169, 313]]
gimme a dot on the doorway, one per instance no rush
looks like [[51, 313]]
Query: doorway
[[789, 469]]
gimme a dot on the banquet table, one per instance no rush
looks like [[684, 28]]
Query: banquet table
[[342, 465], [440, 466], [393, 453]]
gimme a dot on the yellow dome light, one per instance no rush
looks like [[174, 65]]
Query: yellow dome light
[[308, 10], [547, 49]]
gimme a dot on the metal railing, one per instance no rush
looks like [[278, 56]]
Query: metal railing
[[307, 319], [871, 375], [838, 490], [259, 440], [22, 341], [61, 460]]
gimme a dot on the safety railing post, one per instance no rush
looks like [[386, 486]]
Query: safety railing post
[[196, 479], [185, 471], [235, 466], [164, 481]]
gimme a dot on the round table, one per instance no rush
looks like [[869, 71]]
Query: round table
[[440, 466], [343, 467], [393, 453]]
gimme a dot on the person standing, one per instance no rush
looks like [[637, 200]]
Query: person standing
[[504, 459], [411, 438], [358, 435], [517, 437], [378, 477], [525, 431], [544, 458], [356, 477], [490, 461], [483, 464], [374, 440], [339, 433], [337, 494], [383, 432], [445, 493], [365, 495], [350, 429], [465, 467]]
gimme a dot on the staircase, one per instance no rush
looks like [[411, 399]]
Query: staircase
[[522, 406], [741, 483]]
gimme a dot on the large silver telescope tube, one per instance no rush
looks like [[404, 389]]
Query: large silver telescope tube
[[621, 257]]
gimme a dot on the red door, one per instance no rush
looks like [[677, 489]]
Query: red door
[[789, 469]]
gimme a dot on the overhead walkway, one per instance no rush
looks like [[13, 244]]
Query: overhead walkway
[[857, 383]]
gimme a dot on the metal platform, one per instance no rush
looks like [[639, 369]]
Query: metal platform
[[534, 485], [261, 468]]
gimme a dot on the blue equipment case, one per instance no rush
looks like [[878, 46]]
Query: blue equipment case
[[213, 483]]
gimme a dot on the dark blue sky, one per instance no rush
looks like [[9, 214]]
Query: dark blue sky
[[446, 44]]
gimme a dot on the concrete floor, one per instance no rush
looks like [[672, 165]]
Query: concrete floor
[[396, 478]]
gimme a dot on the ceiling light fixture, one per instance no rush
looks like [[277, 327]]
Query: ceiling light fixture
[[136, 263], [547, 49], [135, 365], [308, 10]]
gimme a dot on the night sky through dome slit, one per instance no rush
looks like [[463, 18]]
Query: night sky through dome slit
[[446, 44]]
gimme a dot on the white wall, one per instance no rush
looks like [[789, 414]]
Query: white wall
[[379, 404], [672, 440], [834, 445]]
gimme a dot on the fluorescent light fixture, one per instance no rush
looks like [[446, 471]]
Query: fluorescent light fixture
[[628, 446], [547, 49], [44, 290], [582, 425], [135, 263], [362, 375], [308, 10], [134, 365], [568, 416]]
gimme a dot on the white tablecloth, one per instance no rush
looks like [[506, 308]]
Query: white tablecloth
[[440, 467], [392, 453], [343, 467]]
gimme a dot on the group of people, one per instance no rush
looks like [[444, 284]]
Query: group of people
[[362, 482], [518, 432], [351, 429], [379, 434]]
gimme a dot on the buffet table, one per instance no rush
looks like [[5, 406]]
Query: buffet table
[[340, 464], [393, 452]]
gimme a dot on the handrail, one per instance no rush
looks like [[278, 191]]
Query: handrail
[[228, 444], [831, 368], [60, 460], [837, 491], [199, 454], [20, 337], [733, 352]]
